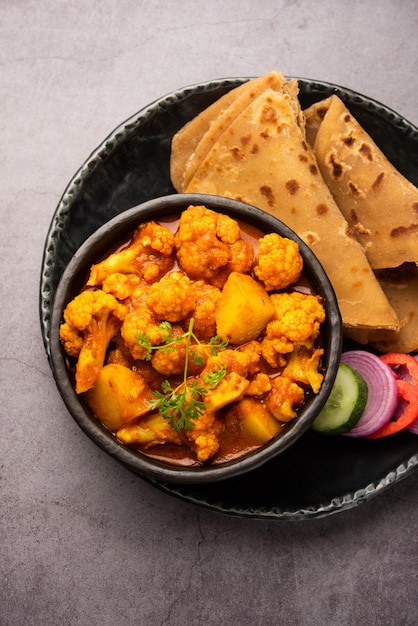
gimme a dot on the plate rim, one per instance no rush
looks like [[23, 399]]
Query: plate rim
[[347, 501], [338, 504]]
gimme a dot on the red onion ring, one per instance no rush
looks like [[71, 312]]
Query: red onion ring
[[382, 391]]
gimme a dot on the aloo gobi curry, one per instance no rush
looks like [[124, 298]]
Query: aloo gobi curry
[[198, 340]]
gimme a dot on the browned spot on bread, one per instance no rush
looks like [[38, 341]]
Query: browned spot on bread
[[337, 169], [304, 145], [264, 134], [348, 141], [254, 149], [353, 189], [313, 169], [322, 111], [292, 186], [245, 139], [403, 230], [378, 181], [268, 114], [322, 209], [347, 118], [267, 191], [236, 153], [415, 207], [366, 151], [353, 216], [311, 238], [303, 158]]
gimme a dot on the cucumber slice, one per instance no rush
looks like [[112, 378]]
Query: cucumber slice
[[345, 404]]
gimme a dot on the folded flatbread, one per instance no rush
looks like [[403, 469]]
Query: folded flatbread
[[191, 144], [401, 287], [380, 205], [262, 158]]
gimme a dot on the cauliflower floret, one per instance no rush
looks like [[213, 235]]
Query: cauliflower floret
[[230, 389], [200, 253], [71, 339], [235, 361], [140, 321], [272, 352], [207, 243], [279, 263], [171, 298], [206, 298], [149, 431], [156, 237], [173, 362], [150, 254], [204, 437], [297, 318], [138, 297], [259, 385], [303, 365], [284, 398], [170, 363], [121, 285], [242, 257], [253, 350], [227, 229], [95, 316]]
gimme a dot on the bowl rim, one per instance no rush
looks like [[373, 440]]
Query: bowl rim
[[124, 223]]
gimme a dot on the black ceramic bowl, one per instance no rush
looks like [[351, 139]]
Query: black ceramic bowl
[[119, 229]]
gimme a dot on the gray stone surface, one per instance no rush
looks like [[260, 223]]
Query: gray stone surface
[[82, 541]]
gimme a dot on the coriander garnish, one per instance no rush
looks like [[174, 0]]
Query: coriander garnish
[[184, 404]]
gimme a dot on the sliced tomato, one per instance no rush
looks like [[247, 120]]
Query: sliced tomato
[[408, 392]]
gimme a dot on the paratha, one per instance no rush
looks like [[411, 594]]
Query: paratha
[[401, 288], [191, 144], [379, 203]]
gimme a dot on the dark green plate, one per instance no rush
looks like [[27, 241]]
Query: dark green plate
[[317, 476]]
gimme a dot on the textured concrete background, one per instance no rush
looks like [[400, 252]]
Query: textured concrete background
[[82, 541]]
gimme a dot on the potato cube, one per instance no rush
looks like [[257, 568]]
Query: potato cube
[[256, 420], [244, 309], [119, 396]]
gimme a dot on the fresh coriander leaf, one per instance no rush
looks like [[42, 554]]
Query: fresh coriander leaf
[[214, 377], [167, 328], [154, 403], [197, 358], [197, 390], [166, 387], [184, 404], [145, 342], [181, 410], [217, 344]]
